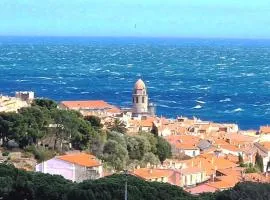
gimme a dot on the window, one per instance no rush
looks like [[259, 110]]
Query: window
[[137, 100], [142, 99], [194, 154], [133, 100]]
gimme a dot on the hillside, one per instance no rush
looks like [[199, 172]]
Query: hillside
[[21, 185]]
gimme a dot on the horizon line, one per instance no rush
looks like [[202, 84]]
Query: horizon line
[[138, 37]]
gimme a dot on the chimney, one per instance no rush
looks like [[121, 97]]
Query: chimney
[[150, 171]]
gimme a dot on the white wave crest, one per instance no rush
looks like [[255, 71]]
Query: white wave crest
[[225, 100], [197, 107]]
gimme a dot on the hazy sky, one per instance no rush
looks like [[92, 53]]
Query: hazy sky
[[169, 18]]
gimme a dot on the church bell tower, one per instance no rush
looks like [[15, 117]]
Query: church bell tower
[[139, 98]]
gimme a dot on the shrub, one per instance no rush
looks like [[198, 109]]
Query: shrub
[[6, 153], [41, 154]]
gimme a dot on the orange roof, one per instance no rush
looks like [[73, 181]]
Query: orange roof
[[236, 172], [256, 177], [228, 182], [191, 170], [92, 104], [114, 110], [82, 159], [147, 174], [201, 189], [230, 147], [240, 138], [210, 163], [186, 146], [265, 129], [183, 141], [148, 122], [220, 142], [266, 145], [139, 85], [222, 163]]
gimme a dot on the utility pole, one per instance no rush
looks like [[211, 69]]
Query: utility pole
[[126, 193]]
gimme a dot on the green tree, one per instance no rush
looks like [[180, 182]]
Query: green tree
[[66, 125], [118, 137], [94, 121], [6, 124], [163, 149], [137, 146], [45, 103], [240, 159], [150, 158], [115, 155], [152, 140], [259, 162], [117, 126]]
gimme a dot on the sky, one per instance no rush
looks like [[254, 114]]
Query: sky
[[140, 18]]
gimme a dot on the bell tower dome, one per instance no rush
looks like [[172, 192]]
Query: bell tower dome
[[140, 98]]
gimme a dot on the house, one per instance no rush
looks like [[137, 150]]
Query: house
[[192, 176], [75, 167], [263, 149], [12, 104], [186, 144], [144, 124], [91, 107], [264, 130], [204, 145], [224, 182], [183, 177]]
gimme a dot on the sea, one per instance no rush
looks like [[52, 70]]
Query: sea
[[221, 80]]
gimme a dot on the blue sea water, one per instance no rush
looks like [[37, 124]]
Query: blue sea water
[[222, 80]]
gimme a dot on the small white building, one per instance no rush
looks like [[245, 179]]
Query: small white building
[[76, 167]]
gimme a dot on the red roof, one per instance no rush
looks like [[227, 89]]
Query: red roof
[[91, 104], [82, 159], [265, 129], [98, 104], [201, 189], [147, 174]]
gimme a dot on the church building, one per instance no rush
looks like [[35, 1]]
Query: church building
[[141, 105]]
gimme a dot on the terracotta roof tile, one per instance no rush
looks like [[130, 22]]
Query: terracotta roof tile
[[82, 159], [265, 129], [147, 174], [91, 104]]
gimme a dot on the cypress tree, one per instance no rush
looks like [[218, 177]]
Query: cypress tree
[[259, 161]]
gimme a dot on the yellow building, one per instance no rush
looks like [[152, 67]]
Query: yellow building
[[11, 104]]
